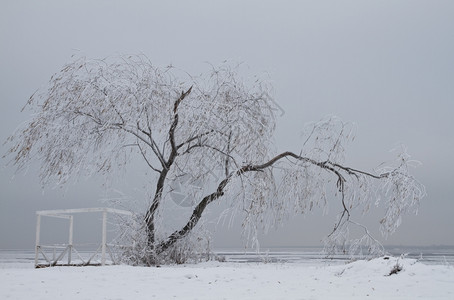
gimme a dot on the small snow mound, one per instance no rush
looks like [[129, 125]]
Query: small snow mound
[[385, 266]]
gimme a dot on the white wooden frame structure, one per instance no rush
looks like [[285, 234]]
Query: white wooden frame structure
[[68, 248]]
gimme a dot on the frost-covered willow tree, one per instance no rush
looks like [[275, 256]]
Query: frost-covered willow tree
[[96, 114]]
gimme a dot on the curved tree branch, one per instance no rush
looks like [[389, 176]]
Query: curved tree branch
[[198, 210]]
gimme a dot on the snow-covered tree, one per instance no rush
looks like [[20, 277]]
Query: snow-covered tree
[[97, 114]]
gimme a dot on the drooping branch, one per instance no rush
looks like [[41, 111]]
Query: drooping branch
[[198, 210], [228, 155], [197, 137], [146, 159], [156, 151]]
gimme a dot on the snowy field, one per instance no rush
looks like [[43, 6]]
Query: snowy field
[[240, 277]]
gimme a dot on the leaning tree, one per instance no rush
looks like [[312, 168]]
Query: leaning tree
[[216, 129]]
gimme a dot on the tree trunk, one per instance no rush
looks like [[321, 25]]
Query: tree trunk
[[149, 217]]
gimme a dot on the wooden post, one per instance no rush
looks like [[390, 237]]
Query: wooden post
[[38, 231], [70, 241], [104, 237]]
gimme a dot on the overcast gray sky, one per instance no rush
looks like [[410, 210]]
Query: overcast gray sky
[[388, 66]]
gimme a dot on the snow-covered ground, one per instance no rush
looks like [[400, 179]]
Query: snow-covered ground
[[229, 280]]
